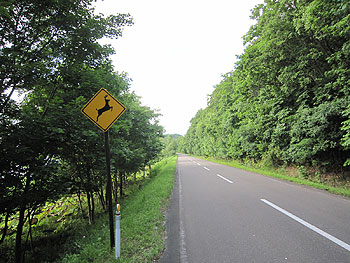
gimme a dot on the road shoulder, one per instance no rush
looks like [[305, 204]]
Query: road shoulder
[[172, 250]]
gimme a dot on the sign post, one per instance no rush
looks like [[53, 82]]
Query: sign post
[[109, 190], [103, 110]]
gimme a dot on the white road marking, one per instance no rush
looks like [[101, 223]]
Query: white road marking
[[227, 180], [198, 164], [206, 168], [183, 251], [308, 225]]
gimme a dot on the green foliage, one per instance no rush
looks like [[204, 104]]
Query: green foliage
[[286, 101], [142, 229], [55, 225], [346, 127], [302, 172], [49, 53], [171, 144]]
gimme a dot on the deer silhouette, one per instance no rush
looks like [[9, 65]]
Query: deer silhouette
[[105, 108]]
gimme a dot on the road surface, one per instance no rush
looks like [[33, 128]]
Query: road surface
[[221, 214]]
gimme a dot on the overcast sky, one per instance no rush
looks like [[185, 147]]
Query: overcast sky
[[176, 51]]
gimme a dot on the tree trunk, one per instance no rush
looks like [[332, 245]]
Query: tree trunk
[[102, 199], [18, 247], [89, 206], [5, 227], [121, 185], [93, 208], [115, 184], [30, 216], [80, 204], [2, 107], [106, 198]]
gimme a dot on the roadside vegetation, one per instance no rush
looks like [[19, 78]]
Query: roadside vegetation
[[299, 175], [286, 103], [50, 152], [142, 223], [59, 231], [171, 144]]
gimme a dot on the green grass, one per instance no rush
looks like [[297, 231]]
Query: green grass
[[142, 224], [281, 174]]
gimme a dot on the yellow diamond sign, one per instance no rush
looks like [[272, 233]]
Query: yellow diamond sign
[[103, 109]]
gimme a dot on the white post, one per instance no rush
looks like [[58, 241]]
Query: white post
[[117, 232]]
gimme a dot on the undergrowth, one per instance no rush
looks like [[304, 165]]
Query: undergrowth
[[62, 233], [142, 223]]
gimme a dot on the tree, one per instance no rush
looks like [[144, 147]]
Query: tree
[[286, 99], [171, 144], [135, 143], [28, 167], [346, 138], [40, 36], [49, 51]]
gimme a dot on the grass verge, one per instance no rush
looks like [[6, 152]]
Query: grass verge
[[142, 223], [280, 174]]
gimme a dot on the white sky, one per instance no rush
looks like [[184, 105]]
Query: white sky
[[176, 51]]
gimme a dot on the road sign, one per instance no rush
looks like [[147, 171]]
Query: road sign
[[103, 109]]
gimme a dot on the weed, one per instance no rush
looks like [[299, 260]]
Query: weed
[[303, 172], [142, 223]]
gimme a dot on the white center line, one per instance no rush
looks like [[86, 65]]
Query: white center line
[[225, 179], [198, 164], [308, 225], [206, 168]]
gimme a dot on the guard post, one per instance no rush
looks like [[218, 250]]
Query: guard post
[[117, 232]]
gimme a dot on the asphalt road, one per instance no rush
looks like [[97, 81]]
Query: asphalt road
[[221, 214]]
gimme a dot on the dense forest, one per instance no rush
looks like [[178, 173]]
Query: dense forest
[[51, 65], [287, 100], [171, 144]]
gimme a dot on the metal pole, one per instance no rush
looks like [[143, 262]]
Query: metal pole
[[109, 190], [117, 232]]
